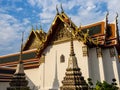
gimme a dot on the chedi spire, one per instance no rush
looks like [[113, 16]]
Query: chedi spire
[[73, 79], [19, 81]]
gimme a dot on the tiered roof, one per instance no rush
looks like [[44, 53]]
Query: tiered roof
[[35, 39], [6, 74], [28, 57]]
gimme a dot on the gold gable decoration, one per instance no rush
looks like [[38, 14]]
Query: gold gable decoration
[[35, 44], [61, 33], [35, 39]]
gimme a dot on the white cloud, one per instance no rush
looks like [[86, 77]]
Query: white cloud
[[19, 9], [10, 29]]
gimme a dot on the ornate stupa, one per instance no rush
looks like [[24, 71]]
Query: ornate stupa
[[73, 79], [19, 81]]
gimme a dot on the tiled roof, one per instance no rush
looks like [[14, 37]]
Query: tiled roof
[[15, 57]]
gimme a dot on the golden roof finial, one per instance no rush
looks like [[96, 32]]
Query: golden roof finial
[[36, 27], [62, 8], [80, 25], [116, 16], [40, 26], [32, 27], [57, 9], [107, 16], [41, 30]]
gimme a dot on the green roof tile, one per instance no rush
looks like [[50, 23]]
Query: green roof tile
[[25, 56]]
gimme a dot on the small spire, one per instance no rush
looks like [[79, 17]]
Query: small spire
[[80, 25], [40, 26], [20, 68], [107, 16], [32, 27], [72, 47], [62, 8], [57, 9], [41, 30], [116, 16], [20, 58], [36, 27], [18, 80]]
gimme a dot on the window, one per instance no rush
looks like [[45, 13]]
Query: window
[[62, 58]]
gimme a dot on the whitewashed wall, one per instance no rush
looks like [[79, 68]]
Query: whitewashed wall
[[97, 68], [4, 85], [111, 66], [33, 76], [52, 55]]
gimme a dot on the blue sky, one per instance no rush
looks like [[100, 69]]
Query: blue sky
[[19, 15]]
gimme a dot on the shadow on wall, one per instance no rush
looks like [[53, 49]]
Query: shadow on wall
[[55, 85], [93, 65], [32, 85]]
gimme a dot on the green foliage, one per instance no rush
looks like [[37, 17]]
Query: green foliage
[[105, 86], [90, 84]]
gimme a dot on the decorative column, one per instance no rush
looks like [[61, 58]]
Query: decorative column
[[19, 81], [101, 66], [115, 63], [86, 60], [73, 79]]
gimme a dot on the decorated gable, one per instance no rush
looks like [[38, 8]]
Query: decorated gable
[[35, 39], [61, 33]]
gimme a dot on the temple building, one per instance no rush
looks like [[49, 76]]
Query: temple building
[[52, 59]]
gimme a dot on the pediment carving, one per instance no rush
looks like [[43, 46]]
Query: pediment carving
[[61, 33]]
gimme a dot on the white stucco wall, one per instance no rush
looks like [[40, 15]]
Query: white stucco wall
[[33, 76], [4, 85], [94, 65], [53, 53], [97, 68], [111, 66]]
